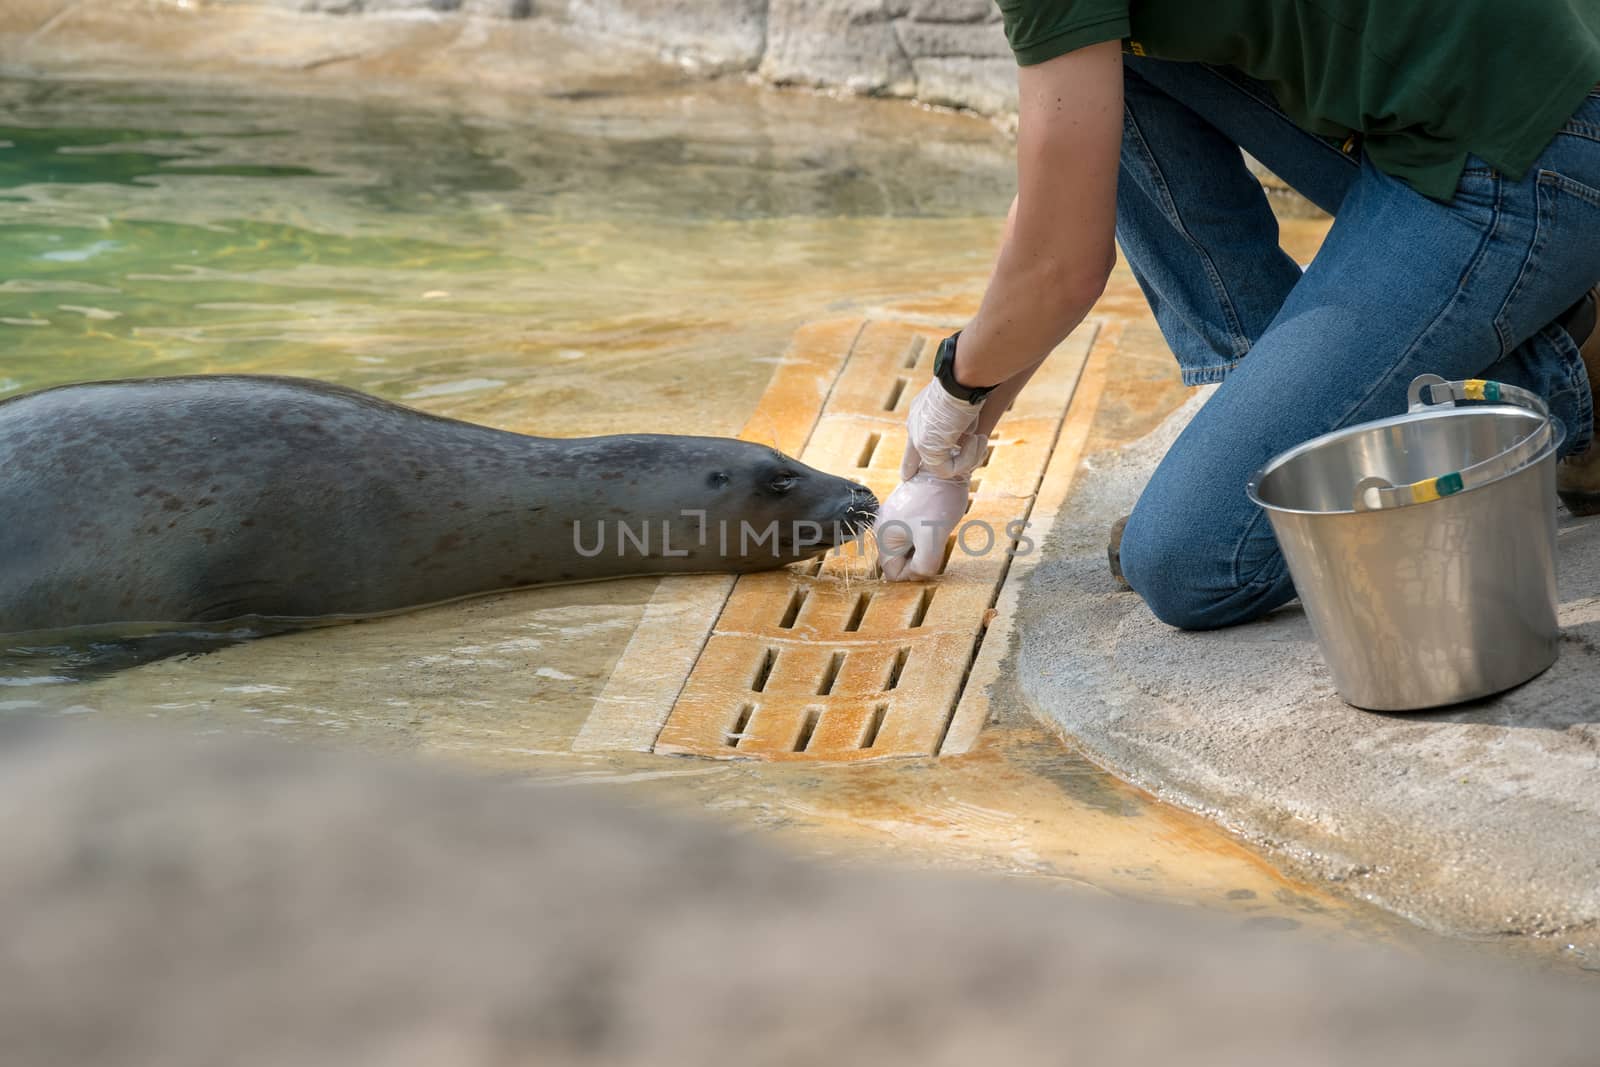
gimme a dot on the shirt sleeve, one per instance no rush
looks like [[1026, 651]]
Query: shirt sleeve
[[1043, 29]]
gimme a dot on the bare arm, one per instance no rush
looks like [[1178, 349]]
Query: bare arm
[[1000, 400], [1060, 244]]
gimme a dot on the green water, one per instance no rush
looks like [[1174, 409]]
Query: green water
[[613, 263], [591, 265]]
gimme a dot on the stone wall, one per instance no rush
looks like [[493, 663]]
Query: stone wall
[[939, 51], [948, 52]]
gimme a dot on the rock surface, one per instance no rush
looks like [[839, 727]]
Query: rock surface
[[176, 903], [1482, 819], [720, 33], [940, 51]]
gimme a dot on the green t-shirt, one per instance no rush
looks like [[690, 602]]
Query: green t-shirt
[[1425, 82]]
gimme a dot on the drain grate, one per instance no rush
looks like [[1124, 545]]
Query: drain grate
[[821, 661]]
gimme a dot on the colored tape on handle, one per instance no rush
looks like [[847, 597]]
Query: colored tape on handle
[[1434, 488]]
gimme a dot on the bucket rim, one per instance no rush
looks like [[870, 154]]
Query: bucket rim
[[1252, 488]]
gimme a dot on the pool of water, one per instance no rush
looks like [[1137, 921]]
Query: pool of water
[[605, 263], [590, 263]]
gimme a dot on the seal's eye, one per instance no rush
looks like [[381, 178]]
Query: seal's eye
[[718, 479], [782, 483]]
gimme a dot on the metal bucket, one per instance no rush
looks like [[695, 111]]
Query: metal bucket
[[1423, 546]]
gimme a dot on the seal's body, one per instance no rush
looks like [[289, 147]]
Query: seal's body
[[207, 499]]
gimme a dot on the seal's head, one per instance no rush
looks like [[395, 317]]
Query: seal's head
[[730, 505], [810, 510]]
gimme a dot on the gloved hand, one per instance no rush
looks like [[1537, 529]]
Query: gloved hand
[[941, 436], [915, 522]]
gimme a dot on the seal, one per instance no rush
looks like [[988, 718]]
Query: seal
[[206, 499]]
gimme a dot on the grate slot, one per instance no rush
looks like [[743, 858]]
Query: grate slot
[[807, 728], [896, 391], [764, 671], [858, 613], [797, 600], [742, 720], [896, 669], [830, 675], [949, 550], [874, 725], [920, 615], [919, 344], [865, 459]]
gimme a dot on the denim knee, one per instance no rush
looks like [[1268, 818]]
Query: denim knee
[[1189, 582]]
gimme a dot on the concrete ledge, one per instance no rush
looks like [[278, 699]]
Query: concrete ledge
[[1483, 820]]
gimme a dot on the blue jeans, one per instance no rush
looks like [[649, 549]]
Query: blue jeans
[[1402, 286]]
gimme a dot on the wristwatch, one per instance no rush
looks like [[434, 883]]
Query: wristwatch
[[944, 369]]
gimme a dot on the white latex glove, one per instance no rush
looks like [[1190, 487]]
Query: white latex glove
[[915, 522], [941, 436]]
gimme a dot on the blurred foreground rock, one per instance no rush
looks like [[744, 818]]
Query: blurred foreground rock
[[172, 902]]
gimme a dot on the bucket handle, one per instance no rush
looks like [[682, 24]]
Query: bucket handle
[[1437, 391]]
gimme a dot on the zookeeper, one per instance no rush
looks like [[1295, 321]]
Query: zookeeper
[[1456, 144]]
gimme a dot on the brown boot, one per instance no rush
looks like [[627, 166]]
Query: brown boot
[[1114, 550], [1578, 477]]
